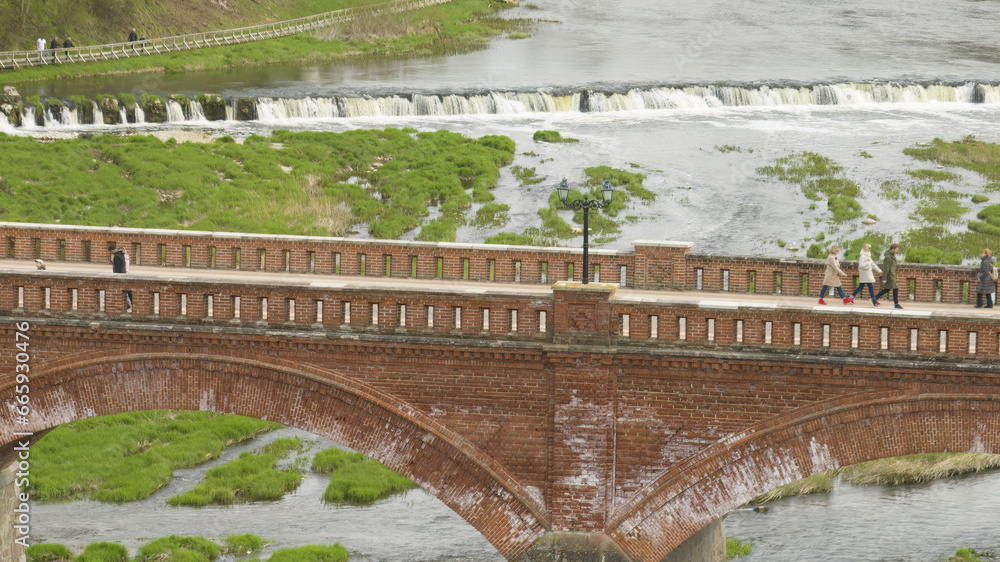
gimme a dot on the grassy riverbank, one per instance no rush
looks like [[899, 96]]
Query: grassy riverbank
[[288, 183], [98, 22], [125, 457], [910, 469], [458, 26]]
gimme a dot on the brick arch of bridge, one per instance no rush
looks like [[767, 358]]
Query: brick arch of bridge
[[839, 432], [441, 461]]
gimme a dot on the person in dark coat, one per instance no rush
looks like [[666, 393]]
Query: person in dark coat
[[53, 46], [118, 261], [68, 44], [889, 276], [133, 37], [984, 283]]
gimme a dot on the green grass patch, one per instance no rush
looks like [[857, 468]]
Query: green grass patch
[[968, 153], [526, 176], [241, 545], [935, 244], [333, 459], [551, 136], [491, 215], [731, 148], [934, 175], [916, 469], [312, 553], [250, 477], [103, 552], [311, 183], [48, 552], [735, 548], [893, 471], [977, 198], [179, 549], [125, 457], [941, 207], [456, 27], [971, 555], [357, 480], [818, 176], [532, 236]]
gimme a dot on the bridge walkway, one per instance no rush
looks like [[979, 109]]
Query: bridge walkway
[[712, 299]]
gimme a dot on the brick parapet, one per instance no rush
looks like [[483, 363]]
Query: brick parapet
[[569, 314], [648, 265]]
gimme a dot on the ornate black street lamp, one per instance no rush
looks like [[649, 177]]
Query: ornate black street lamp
[[607, 196]]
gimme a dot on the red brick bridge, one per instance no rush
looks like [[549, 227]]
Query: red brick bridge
[[609, 421]]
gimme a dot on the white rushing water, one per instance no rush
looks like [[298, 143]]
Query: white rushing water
[[512, 103]]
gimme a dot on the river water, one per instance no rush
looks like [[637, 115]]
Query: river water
[[656, 87]]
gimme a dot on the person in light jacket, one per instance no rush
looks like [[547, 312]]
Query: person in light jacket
[[832, 276], [889, 276], [867, 269], [984, 283]]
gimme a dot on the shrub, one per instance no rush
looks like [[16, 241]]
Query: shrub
[[48, 552], [977, 198]]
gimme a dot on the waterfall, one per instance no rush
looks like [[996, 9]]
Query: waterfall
[[693, 97], [122, 113], [197, 113], [140, 115], [98, 114], [5, 126], [175, 112]]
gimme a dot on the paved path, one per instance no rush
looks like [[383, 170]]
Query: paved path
[[703, 299]]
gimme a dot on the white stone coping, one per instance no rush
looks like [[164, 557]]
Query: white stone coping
[[663, 243]]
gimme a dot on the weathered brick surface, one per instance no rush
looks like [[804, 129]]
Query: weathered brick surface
[[519, 428]]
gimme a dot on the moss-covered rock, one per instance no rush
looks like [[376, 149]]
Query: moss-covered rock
[[110, 109], [213, 106], [10, 96], [84, 109], [246, 109], [154, 107], [13, 113], [128, 102]]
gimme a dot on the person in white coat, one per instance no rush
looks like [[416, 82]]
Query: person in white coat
[[867, 270]]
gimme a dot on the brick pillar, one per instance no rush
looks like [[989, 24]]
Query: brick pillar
[[660, 265], [582, 312], [9, 501], [582, 444]]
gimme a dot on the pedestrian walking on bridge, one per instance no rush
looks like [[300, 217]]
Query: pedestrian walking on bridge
[[985, 282], [889, 276], [866, 273], [831, 277]]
